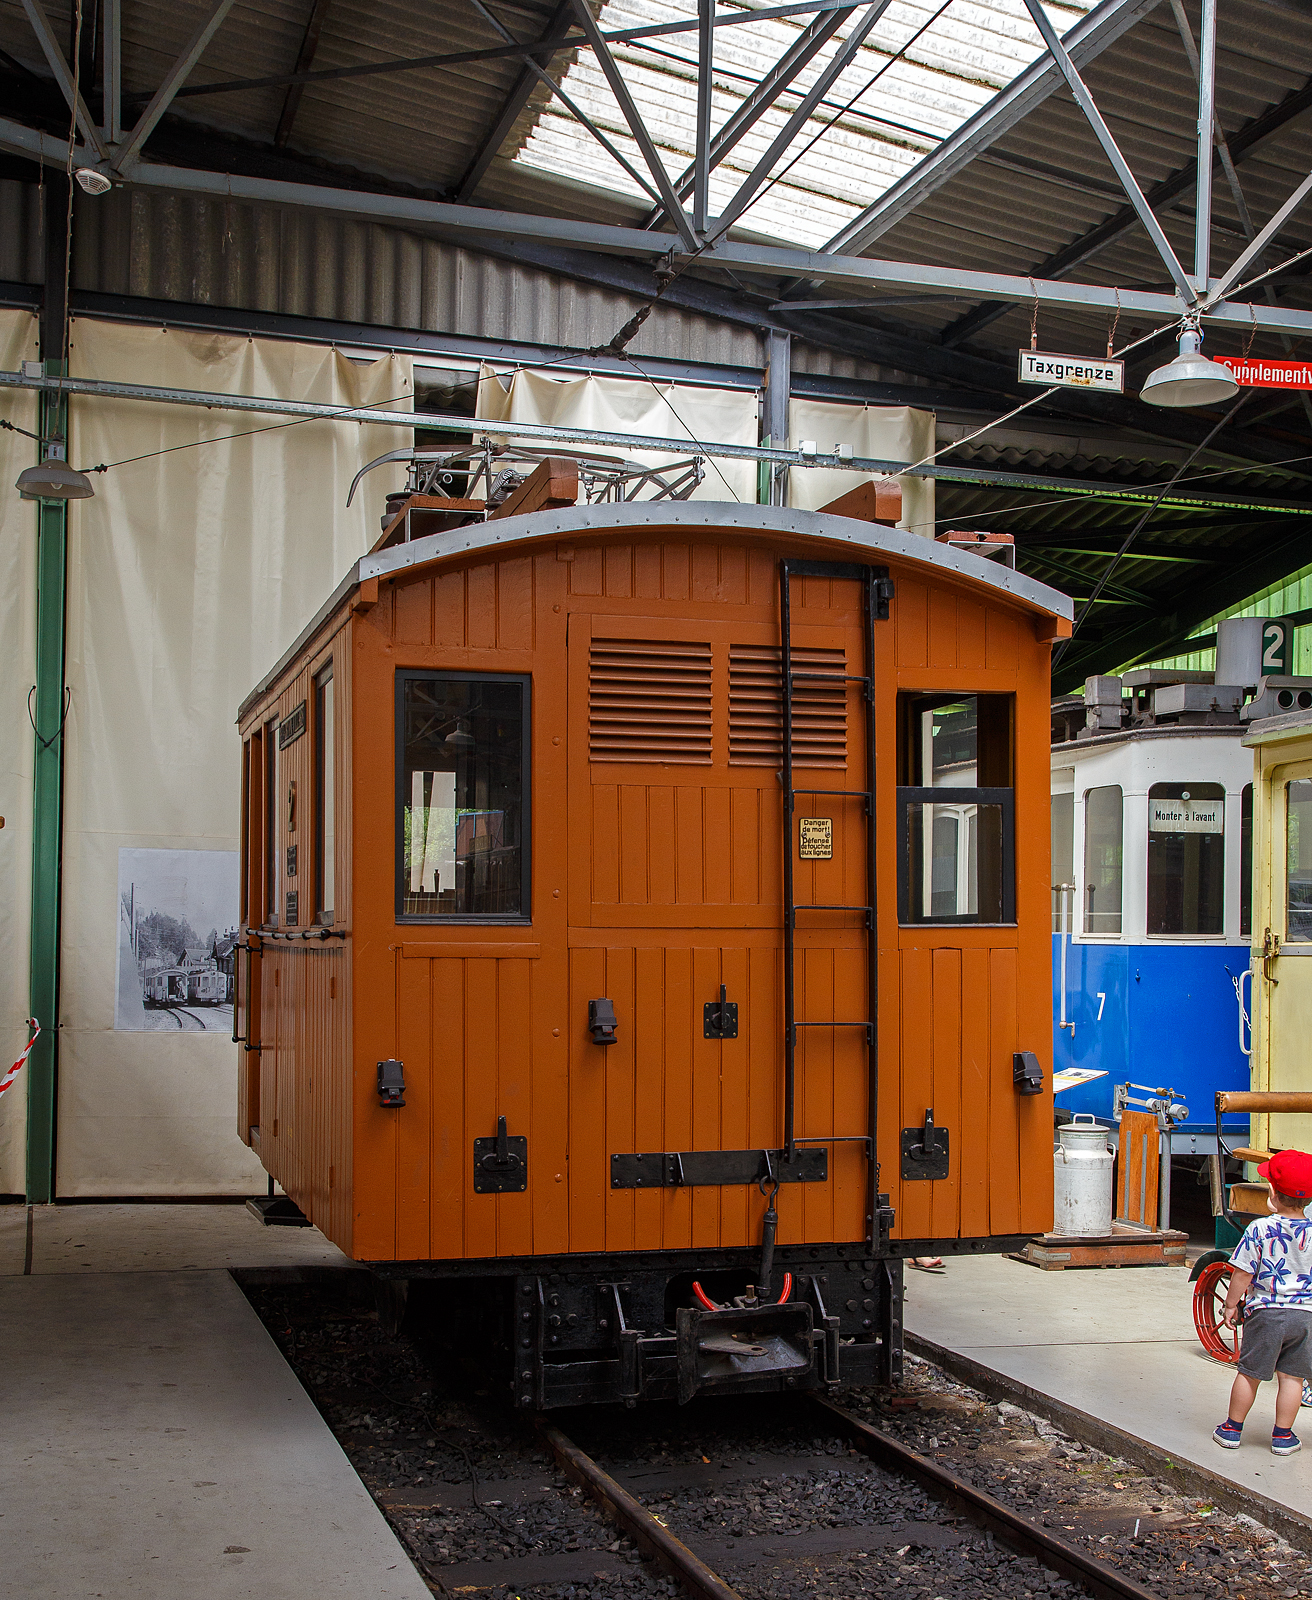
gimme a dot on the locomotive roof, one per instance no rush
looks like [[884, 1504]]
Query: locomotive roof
[[863, 538]]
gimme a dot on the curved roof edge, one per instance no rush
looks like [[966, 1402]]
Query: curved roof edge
[[870, 537]]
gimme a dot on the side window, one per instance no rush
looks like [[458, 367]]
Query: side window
[[1186, 858], [1104, 821], [271, 824], [247, 750], [1063, 849], [325, 826], [1246, 862], [955, 809], [1298, 862], [462, 796]]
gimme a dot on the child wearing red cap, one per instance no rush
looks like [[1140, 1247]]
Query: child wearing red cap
[[1273, 1274]]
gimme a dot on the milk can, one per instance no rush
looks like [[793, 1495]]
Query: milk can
[[1082, 1178]]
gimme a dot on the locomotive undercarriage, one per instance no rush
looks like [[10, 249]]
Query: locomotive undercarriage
[[585, 1330]]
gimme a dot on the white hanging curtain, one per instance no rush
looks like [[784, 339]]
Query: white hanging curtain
[[681, 413], [882, 433], [190, 573], [18, 342]]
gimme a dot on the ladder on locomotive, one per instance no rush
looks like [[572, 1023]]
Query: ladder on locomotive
[[876, 591]]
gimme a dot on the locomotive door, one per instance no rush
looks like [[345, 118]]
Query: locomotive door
[[1282, 957], [676, 917]]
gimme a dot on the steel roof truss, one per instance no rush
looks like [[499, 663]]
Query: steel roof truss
[[63, 77], [129, 153], [1112, 151]]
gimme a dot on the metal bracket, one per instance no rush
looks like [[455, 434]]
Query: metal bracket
[[501, 1164], [925, 1151], [391, 1083], [674, 1169], [720, 1018]]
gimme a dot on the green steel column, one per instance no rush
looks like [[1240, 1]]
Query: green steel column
[[47, 817]]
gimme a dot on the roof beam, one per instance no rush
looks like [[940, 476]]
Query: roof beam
[[111, 53], [512, 106], [304, 59], [129, 153], [1112, 151], [1084, 43], [801, 113], [63, 77], [1241, 146], [807, 45], [370, 69], [629, 111]]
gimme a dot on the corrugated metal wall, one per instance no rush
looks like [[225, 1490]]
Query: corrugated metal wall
[[187, 248]]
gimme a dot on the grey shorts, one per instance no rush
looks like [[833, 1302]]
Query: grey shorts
[[1276, 1340]]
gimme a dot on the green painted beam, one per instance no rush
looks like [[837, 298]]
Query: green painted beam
[[47, 818]]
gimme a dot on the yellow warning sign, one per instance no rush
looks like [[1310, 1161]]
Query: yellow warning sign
[[815, 839]]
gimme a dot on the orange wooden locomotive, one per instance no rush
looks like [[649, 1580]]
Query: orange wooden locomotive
[[646, 913]]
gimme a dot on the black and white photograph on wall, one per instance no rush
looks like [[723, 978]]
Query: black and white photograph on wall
[[177, 940]]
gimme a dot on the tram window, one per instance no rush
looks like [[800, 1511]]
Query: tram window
[[1246, 862], [1298, 862], [1063, 849], [324, 819], [244, 889], [462, 796], [271, 824], [955, 809], [1104, 822], [1186, 858]]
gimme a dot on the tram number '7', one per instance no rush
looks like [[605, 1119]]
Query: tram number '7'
[[1102, 1001]]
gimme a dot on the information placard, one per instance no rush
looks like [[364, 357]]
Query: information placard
[[1071, 372]]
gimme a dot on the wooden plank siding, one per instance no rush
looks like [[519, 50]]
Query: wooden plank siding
[[652, 884]]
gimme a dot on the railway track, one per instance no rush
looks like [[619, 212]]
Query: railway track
[[779, 1498]]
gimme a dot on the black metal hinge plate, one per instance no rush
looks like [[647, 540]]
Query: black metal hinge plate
[[501, 1163], [916, 1163], [675, 1169]]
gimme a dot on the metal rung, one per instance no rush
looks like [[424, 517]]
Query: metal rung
[[805, 905], [831, 1024], [831, 677], [864, 793]]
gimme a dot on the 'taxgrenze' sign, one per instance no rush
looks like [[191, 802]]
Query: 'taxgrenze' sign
[[1071, 372]]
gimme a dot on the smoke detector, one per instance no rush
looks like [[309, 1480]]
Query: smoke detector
[[92, 181]]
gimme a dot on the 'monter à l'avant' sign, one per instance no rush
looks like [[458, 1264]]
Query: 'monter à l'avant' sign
[[1071, 372], [1268, 374], [1179, 816]]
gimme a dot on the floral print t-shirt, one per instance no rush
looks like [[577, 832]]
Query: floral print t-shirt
[[1278, 1252]]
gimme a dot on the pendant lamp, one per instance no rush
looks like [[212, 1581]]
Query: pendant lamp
[[54, 479], [1190, 379]]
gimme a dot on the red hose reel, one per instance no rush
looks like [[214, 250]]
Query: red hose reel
[[1210, 1287]]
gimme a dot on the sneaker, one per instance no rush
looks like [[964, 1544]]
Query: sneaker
[[1230, 1435], [1284, 1441]]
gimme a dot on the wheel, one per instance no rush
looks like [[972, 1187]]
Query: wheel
[[1220, 1342]]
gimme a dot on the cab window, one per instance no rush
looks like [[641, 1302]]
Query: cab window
[[1186, 858], [462, 802], [956, 809], [1298, 862], [1104, 826]]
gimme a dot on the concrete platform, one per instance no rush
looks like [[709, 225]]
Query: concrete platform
[[1116, 1344], [156, 1446], [153, 1238]]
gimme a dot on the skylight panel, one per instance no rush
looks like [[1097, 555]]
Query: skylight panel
[[925, 68]]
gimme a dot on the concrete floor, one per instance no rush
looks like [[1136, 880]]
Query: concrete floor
[[1118, 1344], [154, 1238], [156, 1446]]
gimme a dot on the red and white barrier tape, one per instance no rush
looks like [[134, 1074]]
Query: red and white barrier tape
[[18, 1065]]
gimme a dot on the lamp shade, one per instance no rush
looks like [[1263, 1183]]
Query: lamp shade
[[54, 480], [1190, 379]]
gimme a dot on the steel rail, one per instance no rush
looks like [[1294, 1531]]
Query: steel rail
[[620, 1507], [1101, 1580]]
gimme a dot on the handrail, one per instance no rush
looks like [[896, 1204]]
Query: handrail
[[1245, 1014], [1067, 893]]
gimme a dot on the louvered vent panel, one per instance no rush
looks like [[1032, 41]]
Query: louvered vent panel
[[756, 707], [649, 700]]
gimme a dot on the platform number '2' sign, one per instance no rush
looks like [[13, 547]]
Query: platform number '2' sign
[[1277, 642]]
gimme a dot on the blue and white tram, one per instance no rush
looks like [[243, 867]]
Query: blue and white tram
[[1152, 900]]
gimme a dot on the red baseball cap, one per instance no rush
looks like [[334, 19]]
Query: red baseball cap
[[1289, 1172]]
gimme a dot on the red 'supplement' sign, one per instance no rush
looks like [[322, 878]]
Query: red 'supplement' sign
[[1250, 374]]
